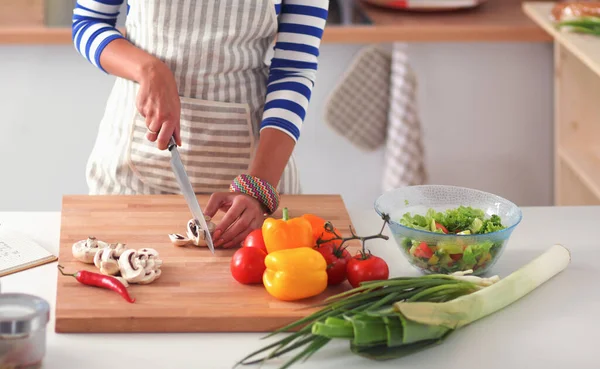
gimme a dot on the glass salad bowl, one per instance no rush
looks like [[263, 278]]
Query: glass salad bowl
[[446, 229]]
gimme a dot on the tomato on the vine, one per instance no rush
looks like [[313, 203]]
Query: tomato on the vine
[[337, 258], [366, 267], [255, 239], [248, 265]]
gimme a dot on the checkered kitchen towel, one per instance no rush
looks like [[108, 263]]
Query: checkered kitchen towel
[[375, 105]]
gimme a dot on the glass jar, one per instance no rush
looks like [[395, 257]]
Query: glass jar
[[23, 320]]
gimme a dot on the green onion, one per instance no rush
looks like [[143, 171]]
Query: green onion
[[589, 25], [390, 319]]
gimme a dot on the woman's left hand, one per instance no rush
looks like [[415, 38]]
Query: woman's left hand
[[243, 214]]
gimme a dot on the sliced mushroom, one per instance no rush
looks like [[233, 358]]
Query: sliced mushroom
[[131, 266], [179, 240], [85, 250], [106, 261], [197, 235], [150, 276], [151, 263], [149, 258], [118, 248]]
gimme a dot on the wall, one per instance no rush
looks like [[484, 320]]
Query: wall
[[486, 111]]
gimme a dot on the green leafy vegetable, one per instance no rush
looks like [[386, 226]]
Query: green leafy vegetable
[[389, 319], [451, 255], [454, 220]]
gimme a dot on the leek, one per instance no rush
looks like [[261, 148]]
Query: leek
[[393, 318], [467, 309]]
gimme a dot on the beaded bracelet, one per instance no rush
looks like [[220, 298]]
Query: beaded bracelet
[[257, 188]]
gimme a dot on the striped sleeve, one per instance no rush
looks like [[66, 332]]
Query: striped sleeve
[[94, 27], [294, 64]]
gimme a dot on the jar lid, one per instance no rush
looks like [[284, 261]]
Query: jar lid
[[21, 314]]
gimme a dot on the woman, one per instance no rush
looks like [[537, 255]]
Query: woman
[[195, 70]]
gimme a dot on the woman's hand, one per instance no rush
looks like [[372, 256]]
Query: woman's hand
[[158, 102], [243, 214]]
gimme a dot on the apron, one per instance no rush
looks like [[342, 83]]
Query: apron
[[216, 50]]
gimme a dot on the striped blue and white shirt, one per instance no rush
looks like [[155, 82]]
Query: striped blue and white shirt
[[293, 66]]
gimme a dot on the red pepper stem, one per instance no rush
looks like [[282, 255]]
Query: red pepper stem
[[285, 214], [60, 269]]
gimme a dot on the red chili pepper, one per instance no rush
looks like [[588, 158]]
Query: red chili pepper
[[100, 280]]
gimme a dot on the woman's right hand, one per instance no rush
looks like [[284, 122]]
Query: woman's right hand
[[158, 102]]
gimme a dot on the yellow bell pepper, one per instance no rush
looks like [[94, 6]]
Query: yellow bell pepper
[[294, 274], [280, 234]]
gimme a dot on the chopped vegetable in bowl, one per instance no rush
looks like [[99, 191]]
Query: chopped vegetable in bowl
[[446, 256], [446, 229]]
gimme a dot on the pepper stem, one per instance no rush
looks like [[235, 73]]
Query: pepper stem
[[60, 269], [285, 214]]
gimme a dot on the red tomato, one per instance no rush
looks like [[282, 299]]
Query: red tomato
[[439, 226], [423, 251], [255, 239], [248, 265], [366, 268], [337, 259]]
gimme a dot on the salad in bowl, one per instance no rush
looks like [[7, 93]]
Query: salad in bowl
[[447, 229]]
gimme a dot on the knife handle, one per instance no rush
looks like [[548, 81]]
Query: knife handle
[[172, 143]]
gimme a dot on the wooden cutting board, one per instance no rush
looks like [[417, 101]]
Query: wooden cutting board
[[195, 292]]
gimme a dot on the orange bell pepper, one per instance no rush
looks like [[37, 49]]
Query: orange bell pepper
[[294, 274], [281, 234], [319, 231]]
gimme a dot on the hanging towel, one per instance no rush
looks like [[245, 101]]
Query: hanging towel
[[404, 152], [375, 106], [357, 108]]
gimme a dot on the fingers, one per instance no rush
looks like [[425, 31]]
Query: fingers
[[177, 135], [165, 134], [218, 200], [222, 233], [162, 114], [154, 129], [237, 240], [238, 230]]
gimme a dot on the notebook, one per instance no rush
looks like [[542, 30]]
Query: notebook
[[18, 252]]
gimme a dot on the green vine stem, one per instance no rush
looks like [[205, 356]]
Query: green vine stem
[[329, 228]]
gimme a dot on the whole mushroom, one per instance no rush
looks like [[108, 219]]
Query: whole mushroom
[[85, 250]]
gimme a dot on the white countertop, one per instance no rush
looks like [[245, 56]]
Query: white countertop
[[555, 326]]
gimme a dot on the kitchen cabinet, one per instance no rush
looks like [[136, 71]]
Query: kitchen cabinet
[[576, 111]]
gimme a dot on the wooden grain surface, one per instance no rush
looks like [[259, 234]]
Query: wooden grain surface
[[195, 292]]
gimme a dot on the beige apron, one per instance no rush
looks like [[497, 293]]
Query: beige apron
[[216, 50]]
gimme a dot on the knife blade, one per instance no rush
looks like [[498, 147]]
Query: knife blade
[[188, 192]]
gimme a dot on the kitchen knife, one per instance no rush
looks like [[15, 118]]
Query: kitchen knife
[[188, 193]]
